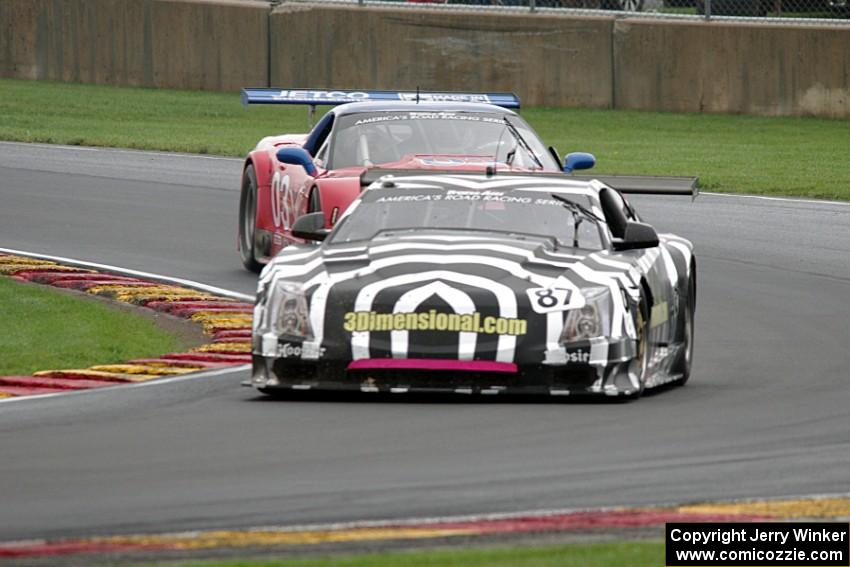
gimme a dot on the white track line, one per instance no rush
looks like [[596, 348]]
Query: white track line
[[106, 149], [538, 513], [431, 520], [131, 385], [137, 273], [782, 199]]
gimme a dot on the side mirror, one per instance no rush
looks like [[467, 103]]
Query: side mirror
[[297, 156], [578, 160], [636, 236], [310, 227]]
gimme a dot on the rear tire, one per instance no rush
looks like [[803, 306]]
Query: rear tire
[[248, 220]]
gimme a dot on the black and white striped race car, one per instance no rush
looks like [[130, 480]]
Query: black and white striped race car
[[468, 283]]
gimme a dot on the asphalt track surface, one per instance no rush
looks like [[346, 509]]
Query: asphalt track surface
[[767, 411]]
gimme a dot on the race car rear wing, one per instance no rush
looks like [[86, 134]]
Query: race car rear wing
[[315, 97], [648, 184], [626, 184]]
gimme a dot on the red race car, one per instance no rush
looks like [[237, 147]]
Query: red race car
[[290, 175]]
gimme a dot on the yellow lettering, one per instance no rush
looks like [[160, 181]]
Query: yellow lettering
[[383, 322], [442, 321], [363, 320], [398, 321], [519, 326], [433, 321], [350, 320], [410, 320]]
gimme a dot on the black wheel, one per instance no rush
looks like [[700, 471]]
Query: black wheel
[[248, 220], [684, 359]]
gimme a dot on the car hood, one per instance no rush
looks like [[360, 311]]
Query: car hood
[[435, 247], [511, 262]]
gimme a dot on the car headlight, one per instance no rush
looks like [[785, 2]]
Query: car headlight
[[286, 312], [590, 321]]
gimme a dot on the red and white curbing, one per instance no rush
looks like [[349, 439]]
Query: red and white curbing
[[225, 319]]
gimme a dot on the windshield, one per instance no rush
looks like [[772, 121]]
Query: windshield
[[375, 138], [516, 212]]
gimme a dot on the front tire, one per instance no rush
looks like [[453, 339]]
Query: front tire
[[248, 220], [639, 366], [684, 359]]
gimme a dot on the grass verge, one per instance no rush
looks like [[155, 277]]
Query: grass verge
[[633, 554], [748, 154], [48, 329]]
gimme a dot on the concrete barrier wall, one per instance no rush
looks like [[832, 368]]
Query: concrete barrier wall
[[552, 60], [547, 59], [748, 68], [216, 45], [566, 61]]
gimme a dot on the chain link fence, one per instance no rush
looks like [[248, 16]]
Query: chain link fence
[[833, 12]]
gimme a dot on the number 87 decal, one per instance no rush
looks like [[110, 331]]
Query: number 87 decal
[[548, 299]]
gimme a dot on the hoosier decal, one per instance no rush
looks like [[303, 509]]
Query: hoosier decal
[[433, 321]]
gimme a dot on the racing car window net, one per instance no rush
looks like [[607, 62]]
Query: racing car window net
[[386, 212], [380, 138]]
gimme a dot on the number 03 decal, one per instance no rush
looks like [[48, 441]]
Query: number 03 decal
[[548, 299], [280, 200]]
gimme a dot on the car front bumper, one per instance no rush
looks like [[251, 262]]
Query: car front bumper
[[603, 369]]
